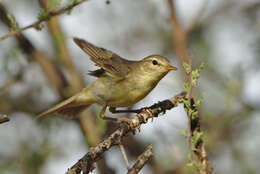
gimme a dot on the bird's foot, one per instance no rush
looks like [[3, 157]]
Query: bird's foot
[[130, 123], [149, 112], [124, 120]]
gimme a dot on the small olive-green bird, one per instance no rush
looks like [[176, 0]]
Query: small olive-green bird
[[120, 82]]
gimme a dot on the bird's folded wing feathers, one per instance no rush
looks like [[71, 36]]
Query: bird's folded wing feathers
[[105, 59]]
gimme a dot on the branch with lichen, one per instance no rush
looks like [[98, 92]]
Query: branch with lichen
[[43, 16], [86, 163], [141, 160], [198, 158]]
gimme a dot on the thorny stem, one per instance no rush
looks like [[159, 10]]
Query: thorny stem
[[179, 36]]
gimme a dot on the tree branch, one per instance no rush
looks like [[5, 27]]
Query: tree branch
[[3, 119], [86, 163], [46, 18], [141, 160]]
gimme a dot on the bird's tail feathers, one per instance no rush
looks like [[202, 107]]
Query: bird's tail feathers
[[67, 108]]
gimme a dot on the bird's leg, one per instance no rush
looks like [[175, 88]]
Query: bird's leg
[[114, 111], [104, 117], [126, 120]]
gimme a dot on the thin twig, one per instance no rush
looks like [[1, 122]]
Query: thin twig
[[49, 68], [86, 163], [122, 149], [47, 17], [141, 160], [3, 119]]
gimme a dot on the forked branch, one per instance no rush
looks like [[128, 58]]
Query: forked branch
[[86, 163]]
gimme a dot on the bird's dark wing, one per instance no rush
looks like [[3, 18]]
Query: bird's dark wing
[[105, 59], [97, 73]]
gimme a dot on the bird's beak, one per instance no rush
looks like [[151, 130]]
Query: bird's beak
[[169, 68]]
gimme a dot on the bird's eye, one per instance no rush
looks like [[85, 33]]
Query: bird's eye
[[154, 62]]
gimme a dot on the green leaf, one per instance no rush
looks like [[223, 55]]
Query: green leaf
[[186, 67], [199, 101], [194, 115], [191, 164], [13, 21], [195, 165], [197, 136], [201, 67], [186, 103], [42, 14], [187, 86], [199, 166], [195, 76]]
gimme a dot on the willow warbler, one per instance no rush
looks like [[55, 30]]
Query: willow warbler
[[120, 82]]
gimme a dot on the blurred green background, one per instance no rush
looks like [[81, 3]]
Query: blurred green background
[[40, 68]]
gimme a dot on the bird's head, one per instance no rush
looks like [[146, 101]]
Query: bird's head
[[157, 63], [152, 69]]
